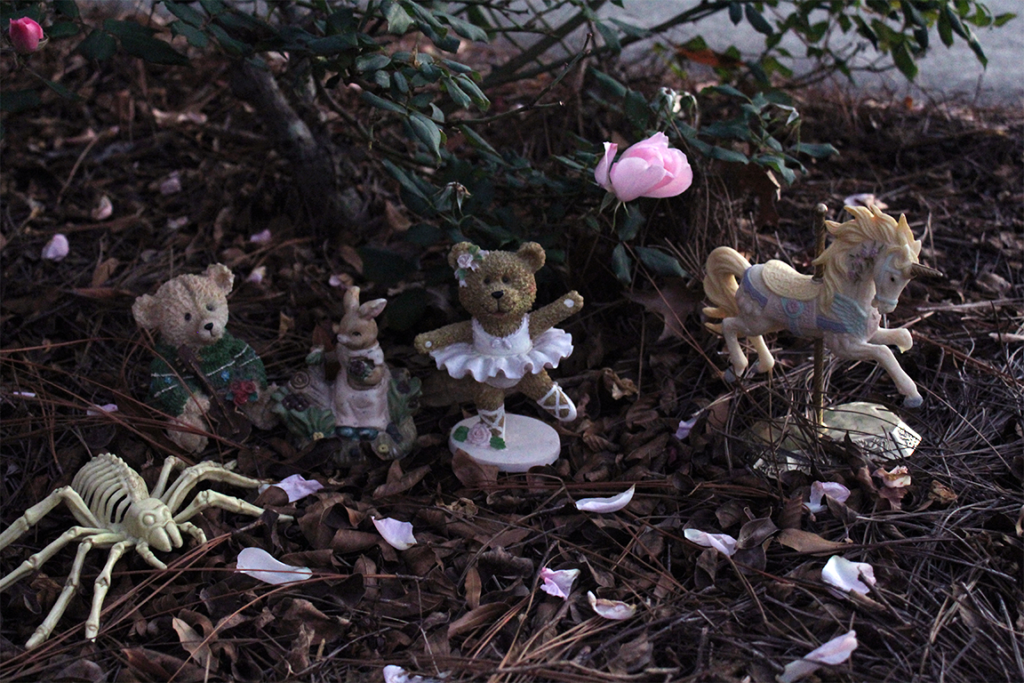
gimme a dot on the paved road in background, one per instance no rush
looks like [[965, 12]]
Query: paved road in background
[[944, 72]]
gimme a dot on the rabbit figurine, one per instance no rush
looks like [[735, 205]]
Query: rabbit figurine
[[366, 407]]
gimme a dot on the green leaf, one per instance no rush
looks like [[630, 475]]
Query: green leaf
[[214, 7], [904, 61], [735, 13], [19, 100], [372, 62], [456, 93], [60, 90], [660, 262], [194, 36], [461, 433], [726, 90], [406, 309], [332, 45], [757, 20], [637, 110], [497, 443], [817, 151], [138, 41], [608, 83], [233, 47], [62, 29], [185, 13], [427, 131], [464, 28], [480, 143], [66, 7], [381, 103], [474, 92], [622, 264], [98, 45], [383, 266], [1001, 19], [631, 223], [399, 20], [611, 38], [723, 154]]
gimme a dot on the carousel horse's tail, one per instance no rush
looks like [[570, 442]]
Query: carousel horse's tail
[[724, 268]]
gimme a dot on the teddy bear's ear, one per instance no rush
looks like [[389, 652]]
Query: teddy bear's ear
[[146, 312], [221, 276], [533, 255], [457, 251]]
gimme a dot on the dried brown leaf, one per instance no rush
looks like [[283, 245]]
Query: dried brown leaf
[[755, 532], [618, 387], [808, 542], [104, 271], [398, 482], [195, 644], [673, 302], [482, 616], [352, 541], [471, 473]]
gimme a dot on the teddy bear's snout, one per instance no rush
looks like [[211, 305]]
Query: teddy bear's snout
[[497, 295]]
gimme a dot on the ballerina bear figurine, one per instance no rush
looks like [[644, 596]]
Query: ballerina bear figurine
[[505, 348]]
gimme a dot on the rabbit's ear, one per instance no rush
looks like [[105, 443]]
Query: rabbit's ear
[[351, 299], [371, 309]]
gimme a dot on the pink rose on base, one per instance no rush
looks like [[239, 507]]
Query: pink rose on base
[[647, 169], [25, 35], [479, 435]]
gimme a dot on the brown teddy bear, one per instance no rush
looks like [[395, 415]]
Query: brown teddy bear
[[191, 311], [504, 347]]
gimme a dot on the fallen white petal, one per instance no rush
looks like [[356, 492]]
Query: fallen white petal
[[296, 486], [685, 426], [723, 543], [835, 651], [23, 394], [847, 575], [257, 274], [558, 582], [57, 248], [898, 477], [171, 184], [396, 674], [336, 281], [833, 490], [613, 504], [104, 209], [865, 199], [259, 564], [177, 223], [397, 534], [610, 609], [99, 410], [261, 237]]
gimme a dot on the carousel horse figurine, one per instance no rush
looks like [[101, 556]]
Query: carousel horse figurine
[[870, 261]]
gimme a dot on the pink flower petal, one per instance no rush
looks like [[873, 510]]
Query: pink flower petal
[[25, 34], [723, 543], [820, 489], [632, 178], [835, 651], [104, 209], [558, 582], [297, 487], [612, 504], [605, 165], [679, 175], [899, 476], [847, 575], [683, 430], [100, 410], [259, 564], [171, 184], [262, 237], [615, 610], [57, 248], [397, 534], [257, 275]]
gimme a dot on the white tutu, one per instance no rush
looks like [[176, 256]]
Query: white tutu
[[503, 361]]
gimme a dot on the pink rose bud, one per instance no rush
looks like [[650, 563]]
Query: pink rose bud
[[25, 35], [647, 169]]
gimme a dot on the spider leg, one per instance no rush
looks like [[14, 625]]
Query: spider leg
[[37, 560], [212, 499], [205, 471], [35, 513], [99, 594], [142, 548], [194, 531], [70, 588], [170, 464]]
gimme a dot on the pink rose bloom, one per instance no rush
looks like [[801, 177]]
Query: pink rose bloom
[[647, 169], [25, 35]]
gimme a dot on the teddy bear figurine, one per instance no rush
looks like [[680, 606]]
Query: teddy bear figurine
[[199, 366], [367, 408], [504, 348]]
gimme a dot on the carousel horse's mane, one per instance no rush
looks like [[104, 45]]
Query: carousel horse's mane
[[868, 224]]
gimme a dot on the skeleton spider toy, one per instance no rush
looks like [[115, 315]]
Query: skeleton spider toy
[[117, 511]]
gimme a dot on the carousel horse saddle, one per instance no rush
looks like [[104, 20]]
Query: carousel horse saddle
[[782, 280]]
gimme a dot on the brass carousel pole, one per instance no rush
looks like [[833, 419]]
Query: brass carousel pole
[[817, 398]]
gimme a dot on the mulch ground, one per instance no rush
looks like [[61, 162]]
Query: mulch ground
[[465, 602]]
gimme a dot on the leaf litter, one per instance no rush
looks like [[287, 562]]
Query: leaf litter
[[466, 602]]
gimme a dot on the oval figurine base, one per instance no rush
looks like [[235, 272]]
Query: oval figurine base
[[528, 443]]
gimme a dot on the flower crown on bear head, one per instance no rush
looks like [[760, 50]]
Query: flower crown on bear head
[[468, 261]]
